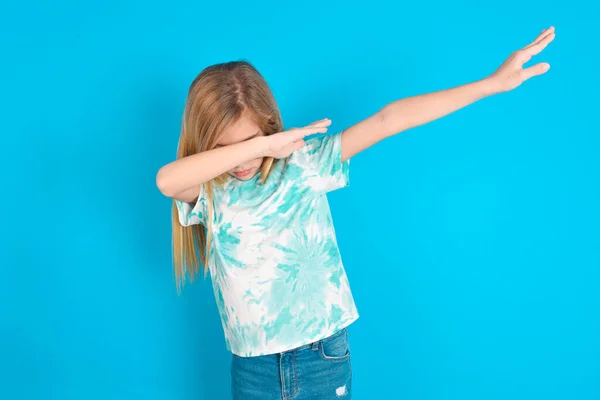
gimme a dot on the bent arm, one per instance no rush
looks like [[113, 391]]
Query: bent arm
[[181, 178]]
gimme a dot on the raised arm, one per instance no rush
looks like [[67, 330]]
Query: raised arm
[[410, 112]]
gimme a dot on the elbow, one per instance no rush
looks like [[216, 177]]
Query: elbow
[[163, 183], [393, 120], [385, 121]]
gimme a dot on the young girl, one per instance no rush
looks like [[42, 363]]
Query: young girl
[[250, 200]]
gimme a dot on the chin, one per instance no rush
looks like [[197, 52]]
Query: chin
[[247, 177]]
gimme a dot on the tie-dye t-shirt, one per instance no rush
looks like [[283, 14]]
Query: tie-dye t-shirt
[[275, 266]]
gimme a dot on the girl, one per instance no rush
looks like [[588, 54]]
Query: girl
[[249, 198]]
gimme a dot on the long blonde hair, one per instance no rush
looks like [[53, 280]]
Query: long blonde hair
[[217, 98]]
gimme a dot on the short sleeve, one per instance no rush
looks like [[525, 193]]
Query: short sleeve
[[320, 163], [193, 213]]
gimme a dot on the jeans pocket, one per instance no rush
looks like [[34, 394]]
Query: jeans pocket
[[335, 347]]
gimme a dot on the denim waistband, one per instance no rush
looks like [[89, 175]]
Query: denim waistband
[[309, 345]]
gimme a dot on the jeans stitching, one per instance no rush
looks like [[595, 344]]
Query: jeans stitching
[[295, 383], [281, 376], [335, 359]]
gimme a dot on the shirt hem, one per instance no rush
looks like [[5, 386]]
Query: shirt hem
[[294, 346]]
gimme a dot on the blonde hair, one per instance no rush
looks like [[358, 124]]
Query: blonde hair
[[218, 97]]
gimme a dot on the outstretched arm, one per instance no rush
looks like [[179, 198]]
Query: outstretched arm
[[413, 111]]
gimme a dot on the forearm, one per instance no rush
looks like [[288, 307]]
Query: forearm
[[191, 171], [413, 111]]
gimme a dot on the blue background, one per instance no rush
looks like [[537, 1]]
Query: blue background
[[472, 243]]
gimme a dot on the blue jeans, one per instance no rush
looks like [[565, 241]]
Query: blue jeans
[[316, 371]]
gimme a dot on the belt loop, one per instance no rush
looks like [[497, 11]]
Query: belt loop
[[315, 346]]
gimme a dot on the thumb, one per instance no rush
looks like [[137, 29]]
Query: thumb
[[299, 144], [289, 149], [537, 69]]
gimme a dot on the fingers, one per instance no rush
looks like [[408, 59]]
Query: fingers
[[324, 121], [545, 32], [315, 127], [524, 55], [537, 69], [539, 45], [321, 122]]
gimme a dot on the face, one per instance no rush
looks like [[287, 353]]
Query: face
[[244, 129]]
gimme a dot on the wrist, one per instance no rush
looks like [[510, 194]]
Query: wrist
[[489, 86], [260, 146]]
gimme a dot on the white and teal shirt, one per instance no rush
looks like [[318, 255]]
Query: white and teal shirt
[[275, 266]]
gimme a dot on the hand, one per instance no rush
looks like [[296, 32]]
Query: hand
[[511, 73], [282, 144]]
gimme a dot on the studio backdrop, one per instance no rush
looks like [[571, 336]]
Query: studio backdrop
[[472, 244]]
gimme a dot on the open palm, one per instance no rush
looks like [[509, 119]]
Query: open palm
[[282, 144], [511, 73]]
